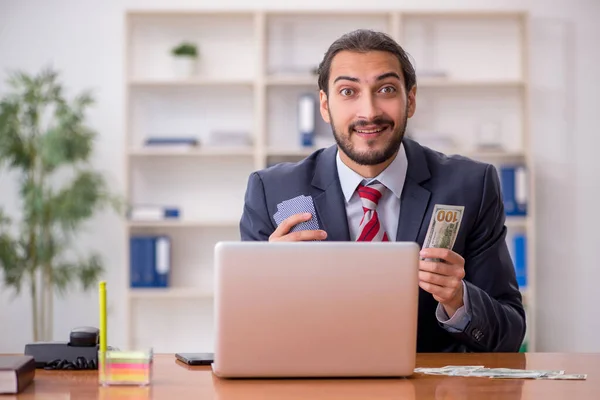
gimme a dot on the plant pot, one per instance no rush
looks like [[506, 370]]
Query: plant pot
[[184, 67]]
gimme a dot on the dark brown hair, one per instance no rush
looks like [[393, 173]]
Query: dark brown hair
[[362, 41]]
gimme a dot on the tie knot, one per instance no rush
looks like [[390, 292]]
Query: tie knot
[[371, 194]]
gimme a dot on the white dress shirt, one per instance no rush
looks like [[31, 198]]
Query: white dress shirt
[[388, 209]]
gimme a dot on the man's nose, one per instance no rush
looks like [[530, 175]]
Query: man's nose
[[368, 108]]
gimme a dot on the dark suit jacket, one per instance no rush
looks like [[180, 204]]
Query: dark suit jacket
[[497, 315]]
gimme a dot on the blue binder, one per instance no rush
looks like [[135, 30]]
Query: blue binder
[[306, 119], [162, 261], [520, 259], [513, 180], [150, 261]]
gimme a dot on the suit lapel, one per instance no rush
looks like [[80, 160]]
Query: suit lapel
[[413, 205], [415, 198], [328, 197]]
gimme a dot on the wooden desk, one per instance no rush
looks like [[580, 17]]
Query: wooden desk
[[174, 381]]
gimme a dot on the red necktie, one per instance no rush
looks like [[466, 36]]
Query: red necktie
[[370, 227]]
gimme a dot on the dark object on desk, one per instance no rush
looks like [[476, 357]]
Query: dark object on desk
[[16, 373], [196, 358], [84, 337], [79, 363], [81, 352]]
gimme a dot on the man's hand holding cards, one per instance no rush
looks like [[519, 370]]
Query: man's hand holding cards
[[297, 221]]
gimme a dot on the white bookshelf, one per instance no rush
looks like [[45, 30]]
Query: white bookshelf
[[253, 66]]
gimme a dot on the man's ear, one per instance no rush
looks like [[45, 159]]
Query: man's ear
[[324, 106], [412, 101]]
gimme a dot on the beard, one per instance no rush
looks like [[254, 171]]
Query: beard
[[371, 156]]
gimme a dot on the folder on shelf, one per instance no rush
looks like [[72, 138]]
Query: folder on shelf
[[171, 141], [162, 263], [150, 261], [153, 213], [520, 259], [306, 119], [513, 179]]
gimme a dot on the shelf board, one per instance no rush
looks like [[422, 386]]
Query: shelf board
[[329, 12], [223, 223], [292, 80], [166, 83], [192, 12], [168, 293], [193, 152], [516, 222], [428, 82], [473, 14]]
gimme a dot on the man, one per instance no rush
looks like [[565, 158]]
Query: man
[[377, 185]]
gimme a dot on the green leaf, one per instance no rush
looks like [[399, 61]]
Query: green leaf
[[32, 195], [62, 276], [4, 219], [36, 89], [48, 248], [14, 148], [86, 272], [25, 250], [17, 80], [66, 145], [79, 200], [68, 140], [91, 271], [84, 100], [11, 263], [188, 49]]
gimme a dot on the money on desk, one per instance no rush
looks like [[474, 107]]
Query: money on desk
[[499, 373], [443, 227]]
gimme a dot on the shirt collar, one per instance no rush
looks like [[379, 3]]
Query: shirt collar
[[392, 177]]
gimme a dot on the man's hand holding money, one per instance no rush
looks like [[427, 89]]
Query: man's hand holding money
[[441, 270], [443, 279]]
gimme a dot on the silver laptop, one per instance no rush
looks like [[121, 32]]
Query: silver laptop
[[315, 309]]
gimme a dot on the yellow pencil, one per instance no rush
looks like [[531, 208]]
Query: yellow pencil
[[102, 294]]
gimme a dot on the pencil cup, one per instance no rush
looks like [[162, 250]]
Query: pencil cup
[[117, 367]]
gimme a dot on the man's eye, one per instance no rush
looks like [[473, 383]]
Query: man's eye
[[346, 92], [388, 89]]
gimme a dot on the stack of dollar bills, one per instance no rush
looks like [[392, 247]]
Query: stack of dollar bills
[[499, 373]]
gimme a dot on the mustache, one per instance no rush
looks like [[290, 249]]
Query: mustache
[[377, 121]]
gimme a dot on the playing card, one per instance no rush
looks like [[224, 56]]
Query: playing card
[[297, 205]]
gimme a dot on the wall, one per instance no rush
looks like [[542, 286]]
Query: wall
[[84, 40]]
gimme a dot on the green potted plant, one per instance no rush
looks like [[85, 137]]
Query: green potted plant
[[46, 145], [185, 58]]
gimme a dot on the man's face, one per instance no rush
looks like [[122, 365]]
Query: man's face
[[367, 105]]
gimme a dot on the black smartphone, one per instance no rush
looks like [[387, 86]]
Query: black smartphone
[[195, 358]]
